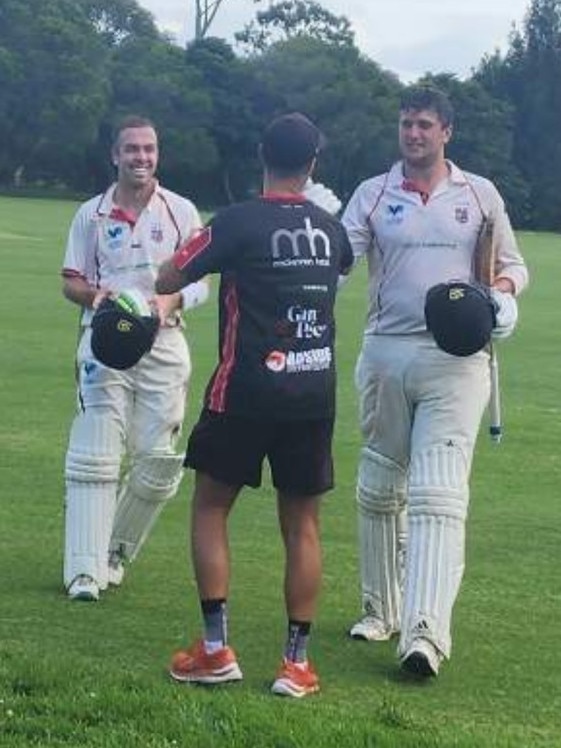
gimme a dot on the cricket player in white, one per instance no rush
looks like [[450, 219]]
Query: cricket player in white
[[420, 408], [121, 465]]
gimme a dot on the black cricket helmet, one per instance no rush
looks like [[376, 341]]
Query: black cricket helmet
[[120, 337], [460, 316]]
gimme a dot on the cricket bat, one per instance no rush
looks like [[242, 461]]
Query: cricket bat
[[485, 258]]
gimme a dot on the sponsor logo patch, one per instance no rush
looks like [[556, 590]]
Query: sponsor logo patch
[[276, 361], [302, 247], [461, 215], [395, 213], [157, 233], [296, 362]]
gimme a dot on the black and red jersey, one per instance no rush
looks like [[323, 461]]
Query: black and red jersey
[[279, 258]]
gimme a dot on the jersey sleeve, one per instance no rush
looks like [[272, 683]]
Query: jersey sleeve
[[356, 217], [509, 261], [190, 222], [212, 249], [347, 258], [79, 257]]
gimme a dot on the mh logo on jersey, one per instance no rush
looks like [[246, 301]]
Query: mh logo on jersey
[[300, 247]]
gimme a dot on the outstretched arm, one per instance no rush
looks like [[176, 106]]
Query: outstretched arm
[[170, 279]]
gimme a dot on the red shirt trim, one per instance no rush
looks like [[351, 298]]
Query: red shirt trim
[[217, 399], [194, 247], [284, 197]]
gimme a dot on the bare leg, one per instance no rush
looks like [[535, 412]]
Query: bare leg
[[212, 502], [299, 523]]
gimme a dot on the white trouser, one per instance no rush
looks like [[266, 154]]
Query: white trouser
[[420, 410], [138, 413]]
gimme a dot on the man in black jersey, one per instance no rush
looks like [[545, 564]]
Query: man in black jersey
[[271, 395]]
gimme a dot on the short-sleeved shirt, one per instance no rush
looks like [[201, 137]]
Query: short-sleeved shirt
[[111, 249], [279, 258], [413, 243]]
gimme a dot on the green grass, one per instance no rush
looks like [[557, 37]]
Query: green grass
[[94, 675]]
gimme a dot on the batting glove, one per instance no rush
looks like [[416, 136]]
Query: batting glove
[[322, 196], [506, 313]]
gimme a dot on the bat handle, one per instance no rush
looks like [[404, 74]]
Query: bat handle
[[495, 425]]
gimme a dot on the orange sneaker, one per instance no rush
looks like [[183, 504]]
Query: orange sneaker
[[295, 679], [195, 665]]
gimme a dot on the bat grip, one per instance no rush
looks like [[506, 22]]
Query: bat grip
[[495, 425]]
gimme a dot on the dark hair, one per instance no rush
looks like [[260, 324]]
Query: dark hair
[[416, 98], [128, 122], [290, 143]]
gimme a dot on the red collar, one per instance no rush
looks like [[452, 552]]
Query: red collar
[[410, 186], [284, 197], [119, 214]]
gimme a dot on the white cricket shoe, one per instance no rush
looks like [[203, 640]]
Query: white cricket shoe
[[83, 587], [115, 569], [422, 659], [371, 629]]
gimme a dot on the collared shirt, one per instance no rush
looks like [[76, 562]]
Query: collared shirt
[[112, 249], [413, 242]]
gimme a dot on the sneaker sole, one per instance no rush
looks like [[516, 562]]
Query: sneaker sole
[[230, 674], [418, 665], [285, 687], [85, 597], [357, 636]]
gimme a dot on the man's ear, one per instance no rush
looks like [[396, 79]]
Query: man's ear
[[448, 130], [311, 167]]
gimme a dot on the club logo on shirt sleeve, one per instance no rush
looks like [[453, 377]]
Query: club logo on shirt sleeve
[[194, 246]]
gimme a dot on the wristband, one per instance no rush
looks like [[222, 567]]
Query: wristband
[[194, 294]]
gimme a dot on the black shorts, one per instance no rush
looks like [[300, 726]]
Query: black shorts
[[231, 449]]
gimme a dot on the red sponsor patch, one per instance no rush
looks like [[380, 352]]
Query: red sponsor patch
[[194, 246], [276, 361]]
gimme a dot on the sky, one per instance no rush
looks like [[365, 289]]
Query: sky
[[407, 37]]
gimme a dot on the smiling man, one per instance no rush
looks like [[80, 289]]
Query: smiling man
[[420, 225], [117, 241]]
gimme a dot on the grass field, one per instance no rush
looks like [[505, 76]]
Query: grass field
[[95, 675]]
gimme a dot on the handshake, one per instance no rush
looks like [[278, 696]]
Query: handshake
[[322, 196], [506, 313]]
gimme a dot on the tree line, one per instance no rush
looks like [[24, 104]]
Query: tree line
[[69, 69]]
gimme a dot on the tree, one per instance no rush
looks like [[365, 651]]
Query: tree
[[53, 73], [205, 11], [529, 79], [287, 19], [234, 125], [117, 20], [352, 100]]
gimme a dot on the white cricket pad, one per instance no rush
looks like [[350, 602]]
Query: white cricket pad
[[92, 471], [381, 490], [437, 509], [152, 480]]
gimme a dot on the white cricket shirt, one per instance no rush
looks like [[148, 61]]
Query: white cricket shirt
[[412, 245], [110, 249]]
